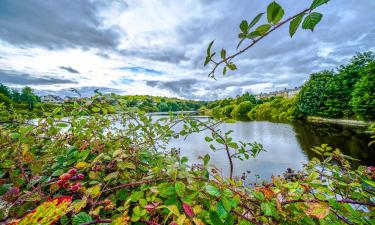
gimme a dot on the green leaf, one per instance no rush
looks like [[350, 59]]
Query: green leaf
[[95, 109], [267, 208], [221, 210], [274, 13], [262, 29], [209, 48], [81, 218], [258, 195], [244, 26], [311, 21], [224, 70], [136, 195], [223, 53], [215, 219], [253, 35], [232, 66], [226, 203], [294, 24], [255, 20], [369, 182], [206, 159], [317, 3], [212, 190], [179, 188]]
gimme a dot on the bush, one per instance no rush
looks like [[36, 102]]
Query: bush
[[227, 110], [277, 109], [216, 112], [242, 109]]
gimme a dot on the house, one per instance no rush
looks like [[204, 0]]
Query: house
[[286, 93], [52, 99]]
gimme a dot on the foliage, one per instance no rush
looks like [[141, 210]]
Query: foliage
[[276, 109], [363, 100], [329, 94], [249, 32], [227, 111], [242, 109], [113, 175]]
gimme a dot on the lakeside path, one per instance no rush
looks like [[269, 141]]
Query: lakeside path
[[348, 122]]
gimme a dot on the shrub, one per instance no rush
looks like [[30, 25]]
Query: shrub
[[227, 110], [242, 109]]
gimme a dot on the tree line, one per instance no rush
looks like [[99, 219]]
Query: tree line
[[347, 92]]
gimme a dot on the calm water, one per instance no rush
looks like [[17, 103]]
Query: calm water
[[288, 145]]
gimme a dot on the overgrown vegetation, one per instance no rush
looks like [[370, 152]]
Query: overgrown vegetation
[[101, 161], [86, 171]]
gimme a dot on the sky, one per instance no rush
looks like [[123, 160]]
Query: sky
[[157, 47]]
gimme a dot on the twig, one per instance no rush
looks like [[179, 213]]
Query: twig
[[227, 59], [137, 184]]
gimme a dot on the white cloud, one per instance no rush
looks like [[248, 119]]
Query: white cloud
[[171, 37]]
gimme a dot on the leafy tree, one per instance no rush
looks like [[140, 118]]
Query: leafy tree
[[363, 100], [28, 96], [227, 110], [339, 89], [313, 93], [242, 109], [217, 112]]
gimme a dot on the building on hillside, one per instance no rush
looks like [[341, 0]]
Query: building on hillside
[[286, 93], [52, 99], [70, 99]]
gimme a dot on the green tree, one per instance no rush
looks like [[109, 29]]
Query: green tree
[[227, 110], [339, 89], [363, 100], [28, 97], [313, 93], [242, 109]]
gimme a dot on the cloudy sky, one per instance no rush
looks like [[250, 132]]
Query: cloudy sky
[[157, 47]]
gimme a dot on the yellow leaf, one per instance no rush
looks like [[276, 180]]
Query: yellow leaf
[[48, 212], [81, 165], [181, 219], [198, 221], [318, 210], [96, 211], [121, 220], [173, 209], [78, 205], [94, 191], [197, 209]]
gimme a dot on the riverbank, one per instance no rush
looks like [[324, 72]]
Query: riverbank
[[346, 122]]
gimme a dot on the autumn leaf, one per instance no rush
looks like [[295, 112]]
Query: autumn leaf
[[48, 212], [267, 192], [318, 210], [188, 210]]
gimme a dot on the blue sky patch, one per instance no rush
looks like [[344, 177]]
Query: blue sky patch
[[139, 69]]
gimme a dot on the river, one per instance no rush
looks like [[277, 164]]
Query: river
[[287, 145]]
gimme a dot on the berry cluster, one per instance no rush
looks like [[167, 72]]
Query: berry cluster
[[66, 178]]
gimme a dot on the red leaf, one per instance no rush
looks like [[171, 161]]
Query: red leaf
[[188, 210]]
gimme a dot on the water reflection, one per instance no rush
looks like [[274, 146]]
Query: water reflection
[[287, 145], [351, 141]]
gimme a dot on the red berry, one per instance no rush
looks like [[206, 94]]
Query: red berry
[[76, 187], [72, 171], [65, 176], [60, 183], [80, 176], [66, 185]]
